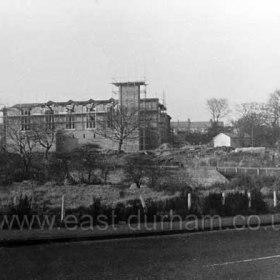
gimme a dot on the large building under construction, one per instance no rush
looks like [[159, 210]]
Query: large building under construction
[[76, 123]]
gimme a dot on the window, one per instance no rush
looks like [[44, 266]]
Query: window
[[70, 121], [110, 116], [91, 117], [100, 108], [49, 119], [25, 119], [70, 117]]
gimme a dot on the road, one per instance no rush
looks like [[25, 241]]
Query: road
[[230, 254]]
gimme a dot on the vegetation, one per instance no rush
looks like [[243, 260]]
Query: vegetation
[[218, 108], [212, 204], [122, 124]]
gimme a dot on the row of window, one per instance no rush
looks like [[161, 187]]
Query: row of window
[[70, 120], [70, 109]]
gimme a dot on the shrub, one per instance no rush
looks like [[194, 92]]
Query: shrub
[[219, 186], [178, 205], [133, 208], [22, 210], [95, 209], [120, 212], [203, 163], [122, 193], [247, 182], [213, 162], [56, 169], [23, 207], [236, 204], [172, 185], [154, 209], [258, 204], [212, 204], [9, 162]]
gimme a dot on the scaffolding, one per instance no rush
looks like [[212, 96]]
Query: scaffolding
[[141, 84], [75, 115], [60, 116]]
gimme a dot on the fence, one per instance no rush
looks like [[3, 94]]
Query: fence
[[190, 200], [267, 171]]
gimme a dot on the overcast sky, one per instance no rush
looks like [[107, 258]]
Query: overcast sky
[[192, 50]]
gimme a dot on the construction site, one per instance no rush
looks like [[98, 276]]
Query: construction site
[[129, 119]]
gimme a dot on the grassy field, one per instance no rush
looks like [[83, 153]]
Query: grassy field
[[76, 195]]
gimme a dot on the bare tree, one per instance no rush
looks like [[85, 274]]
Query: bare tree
[[85, 158], [24, 143], [274, 107], [45, 137], [218, 108], [274, 114], [137, 168], [260, 110], [120, 124], [107, 163], [254, 118], [20, 138]]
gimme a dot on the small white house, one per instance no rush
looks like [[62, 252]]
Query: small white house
[[231, 140]]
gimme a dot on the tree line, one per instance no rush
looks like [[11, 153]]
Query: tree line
[[258, 120]]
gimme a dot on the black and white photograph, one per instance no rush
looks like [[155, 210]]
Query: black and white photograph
[[139, 139]]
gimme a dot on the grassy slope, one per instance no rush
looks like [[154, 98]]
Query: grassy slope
[[76, 195]]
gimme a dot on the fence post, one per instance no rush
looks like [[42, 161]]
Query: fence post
[[142, 202], [32, 200], [223, 198], [274, 198], [62, 208], [249, 200], [258, 171], [189, 201]]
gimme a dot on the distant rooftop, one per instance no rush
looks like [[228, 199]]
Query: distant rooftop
[[234, 135], [186, 125]]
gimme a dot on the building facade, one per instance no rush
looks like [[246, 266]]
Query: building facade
[[75, 123]]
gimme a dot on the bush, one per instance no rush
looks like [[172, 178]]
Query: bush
[[22, 210], [120, 212], [56, 171], [246, 182], [258, 204], [134, 208], [236, 204], [212, 204], [96, 209], [9, 163], [218, 186], [122, 193], [172, 186], [213, 162], [23, 207]]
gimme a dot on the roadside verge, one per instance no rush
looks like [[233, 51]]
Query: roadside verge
[[11, 238]]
